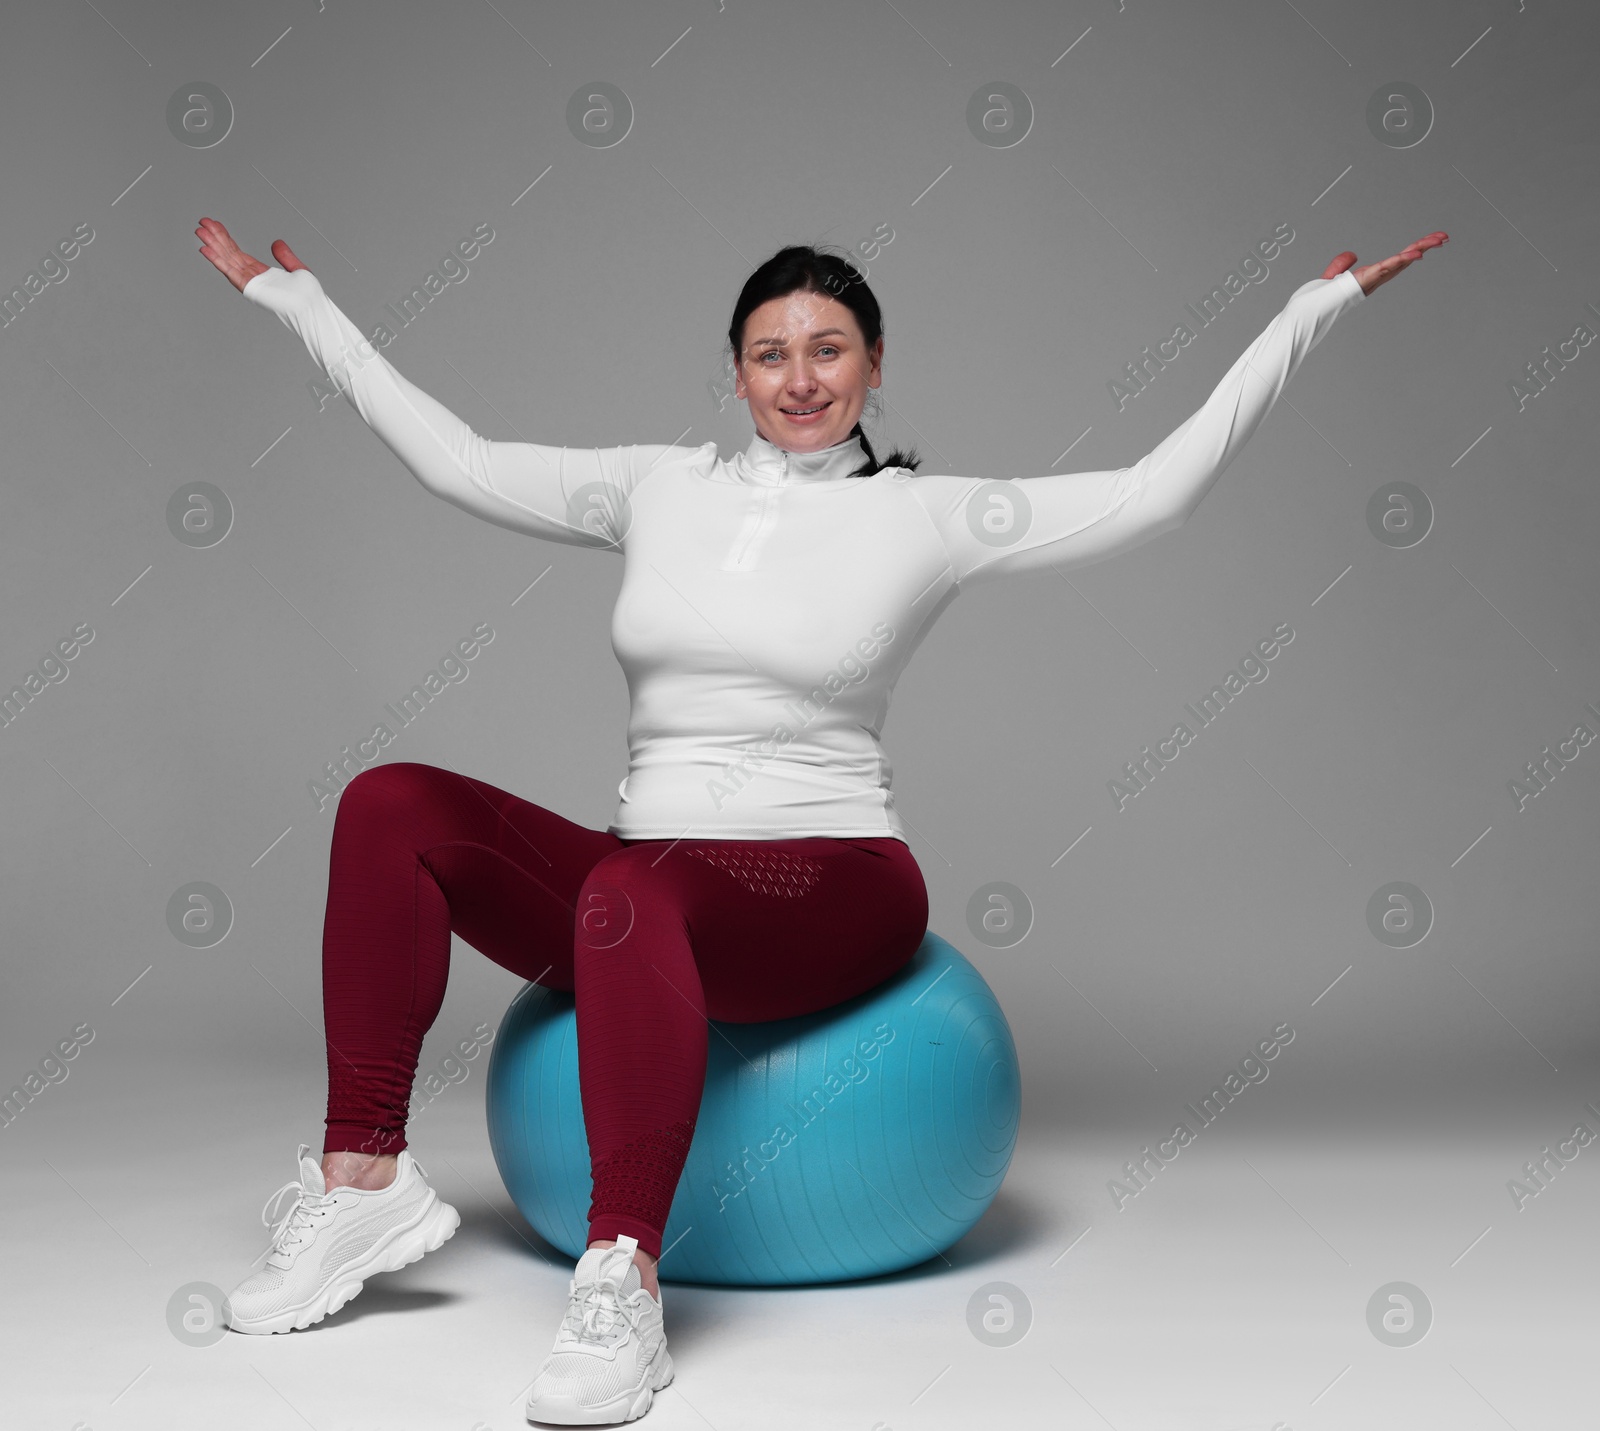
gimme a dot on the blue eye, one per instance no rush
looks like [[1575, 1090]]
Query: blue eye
[[773, 352]]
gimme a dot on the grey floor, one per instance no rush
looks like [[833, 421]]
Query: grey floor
[[1231, 1292]]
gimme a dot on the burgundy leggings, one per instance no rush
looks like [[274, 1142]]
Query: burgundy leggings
[[653, 937]]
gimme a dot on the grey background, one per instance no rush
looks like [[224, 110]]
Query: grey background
[[1166, 142]]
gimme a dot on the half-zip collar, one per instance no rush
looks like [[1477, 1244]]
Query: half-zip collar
[[765, 464]]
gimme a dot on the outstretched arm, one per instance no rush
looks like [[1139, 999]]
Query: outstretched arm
[[571, 495], [1071, 519]]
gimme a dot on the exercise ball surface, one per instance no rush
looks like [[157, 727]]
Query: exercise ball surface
[[846, 1143]]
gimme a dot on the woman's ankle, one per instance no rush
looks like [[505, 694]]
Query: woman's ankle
[[366, 1171]]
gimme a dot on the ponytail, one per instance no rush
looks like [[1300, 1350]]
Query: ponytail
[[900, 457]]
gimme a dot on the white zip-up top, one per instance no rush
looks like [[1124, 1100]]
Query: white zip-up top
[[769, 603]]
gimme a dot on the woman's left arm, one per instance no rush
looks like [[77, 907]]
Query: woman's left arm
[[1071, 519]]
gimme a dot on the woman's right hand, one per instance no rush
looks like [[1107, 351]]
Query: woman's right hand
[[217, 244]]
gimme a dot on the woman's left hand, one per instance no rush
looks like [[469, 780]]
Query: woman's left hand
[[1375, 275]]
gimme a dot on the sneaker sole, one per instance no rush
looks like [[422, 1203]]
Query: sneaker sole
[[404, 1246], [610, 1413]]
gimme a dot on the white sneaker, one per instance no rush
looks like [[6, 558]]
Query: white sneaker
[[326, 1244], [610, 1355]]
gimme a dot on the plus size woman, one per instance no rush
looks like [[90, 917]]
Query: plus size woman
[[756, 867]]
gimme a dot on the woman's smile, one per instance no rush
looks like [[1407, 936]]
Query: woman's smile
[[805, 414]]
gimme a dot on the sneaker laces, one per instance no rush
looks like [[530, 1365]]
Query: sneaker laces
[[287, 1228], [597, 1314]]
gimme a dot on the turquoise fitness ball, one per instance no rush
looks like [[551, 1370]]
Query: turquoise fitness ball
[[854, 1141]]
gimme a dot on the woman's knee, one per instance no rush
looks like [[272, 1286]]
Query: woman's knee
[[403, 804], [404, 786]]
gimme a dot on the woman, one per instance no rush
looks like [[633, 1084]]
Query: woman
[[756, 868]]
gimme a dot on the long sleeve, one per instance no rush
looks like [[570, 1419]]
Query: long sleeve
[[578, 496], [990, 528]]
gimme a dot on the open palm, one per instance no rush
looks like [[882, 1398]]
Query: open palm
[[238, 267], [1375, 275]]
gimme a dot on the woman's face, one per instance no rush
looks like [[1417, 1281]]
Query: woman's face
[[805, 350]]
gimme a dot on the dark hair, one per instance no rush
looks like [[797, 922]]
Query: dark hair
[[813, 269]]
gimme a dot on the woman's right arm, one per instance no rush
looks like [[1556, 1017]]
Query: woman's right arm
[[573, 495]]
